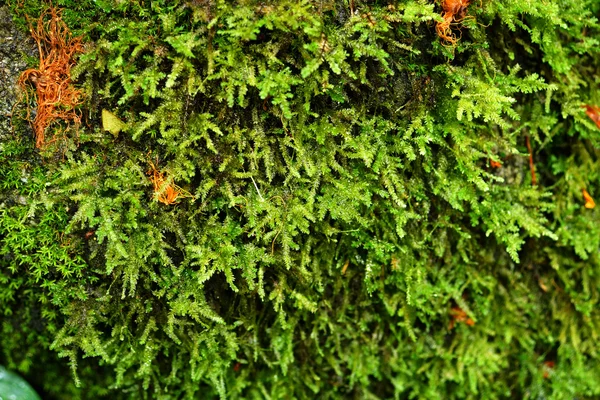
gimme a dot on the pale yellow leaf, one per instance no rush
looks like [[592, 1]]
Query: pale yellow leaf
[[111, 123]]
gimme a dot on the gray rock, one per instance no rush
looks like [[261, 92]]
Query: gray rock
[[15, 46]]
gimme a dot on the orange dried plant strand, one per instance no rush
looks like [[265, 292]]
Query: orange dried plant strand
[[531, 165], [495, 164], [345, 267], [443, 28], [56, 96], [459, 315], [594, 113], [170, 193], [451, 9]]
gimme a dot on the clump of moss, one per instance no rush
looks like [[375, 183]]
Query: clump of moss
[[362, 218]]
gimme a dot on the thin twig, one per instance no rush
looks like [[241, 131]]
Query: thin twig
[[531, 166], [258, 191]]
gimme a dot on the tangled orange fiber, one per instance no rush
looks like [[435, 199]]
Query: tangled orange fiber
[[56, 96], [454, 11], [164, 191]]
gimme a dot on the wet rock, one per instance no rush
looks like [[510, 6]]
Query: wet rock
[[15, 46]]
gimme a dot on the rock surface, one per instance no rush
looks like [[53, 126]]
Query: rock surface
[[15, 46]]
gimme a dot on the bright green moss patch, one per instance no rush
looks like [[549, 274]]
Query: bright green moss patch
[[346, 231]]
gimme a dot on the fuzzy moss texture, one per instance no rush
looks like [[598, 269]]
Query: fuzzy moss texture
[[343, 235]]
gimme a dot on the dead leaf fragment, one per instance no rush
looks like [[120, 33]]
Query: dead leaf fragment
[[111, 123]]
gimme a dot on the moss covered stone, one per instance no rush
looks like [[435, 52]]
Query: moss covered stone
[[312, 199]]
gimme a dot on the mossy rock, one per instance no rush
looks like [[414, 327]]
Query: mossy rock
[[312, 199]]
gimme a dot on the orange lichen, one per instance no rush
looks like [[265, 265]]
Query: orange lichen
[[56, 96], [454, 11], [589, 201]]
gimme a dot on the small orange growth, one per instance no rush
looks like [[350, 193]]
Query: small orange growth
[[345, 267], [454, 11], [164, 191], [459, 315], [56, 96], [589, 201], [542, 285], [594, 113], [395, 266], [548, 366], [495, 164]]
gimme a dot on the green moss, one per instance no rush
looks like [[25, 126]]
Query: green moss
[[342, 206]]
